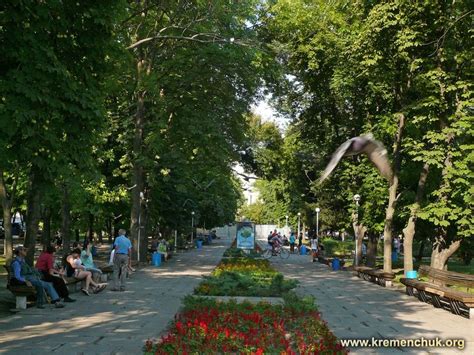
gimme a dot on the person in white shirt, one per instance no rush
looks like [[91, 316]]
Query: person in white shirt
[[314, 248]]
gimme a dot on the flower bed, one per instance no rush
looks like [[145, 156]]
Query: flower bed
[[244, 277], [239, 253], [209, 327]]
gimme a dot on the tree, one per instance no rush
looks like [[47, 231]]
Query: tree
[[52, 101]]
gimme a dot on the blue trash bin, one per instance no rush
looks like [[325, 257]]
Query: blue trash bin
[[199, 244], [303, 250], [394, 256], [156, 259], [412, 274], [336, 264]]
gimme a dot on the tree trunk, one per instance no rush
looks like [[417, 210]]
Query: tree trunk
[[66, 220], [441, 254], [33, 215], [372, 250], [6, 202], [409, 230], [138, 173], [46, 237], [91, 226], [392, 197], [144, 235], [359, 232], [100, 236]]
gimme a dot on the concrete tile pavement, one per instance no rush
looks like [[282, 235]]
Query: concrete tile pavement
[[112, 322], [355, 308]]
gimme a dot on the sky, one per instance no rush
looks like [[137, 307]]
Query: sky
[[263, 109]]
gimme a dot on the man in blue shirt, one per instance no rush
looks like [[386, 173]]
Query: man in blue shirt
[[123, 248], [24, 274]]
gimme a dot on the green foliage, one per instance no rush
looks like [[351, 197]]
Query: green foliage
[[336, 247], [245, 277], [295, 303], [355, 66], [239, 253]]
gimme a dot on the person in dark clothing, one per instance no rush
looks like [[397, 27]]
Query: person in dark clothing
[[45, 265]]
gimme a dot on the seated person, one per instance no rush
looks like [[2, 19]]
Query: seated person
[[45, 265], [24, 274], [163, 248], [88, 262], [74, 268]]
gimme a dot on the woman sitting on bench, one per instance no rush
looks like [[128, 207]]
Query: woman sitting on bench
[[45, 265], [74, 268]]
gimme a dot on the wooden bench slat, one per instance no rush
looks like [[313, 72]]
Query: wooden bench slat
[[436, 291], [449, 277]]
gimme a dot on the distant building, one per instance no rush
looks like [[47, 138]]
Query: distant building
[[247, 182]]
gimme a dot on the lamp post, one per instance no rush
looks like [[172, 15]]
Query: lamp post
[[192, 226], [317, 221], [356, 200], [299, 220], [176, 241], [286, 221]]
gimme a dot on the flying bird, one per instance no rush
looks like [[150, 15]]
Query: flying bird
[[365, 144]]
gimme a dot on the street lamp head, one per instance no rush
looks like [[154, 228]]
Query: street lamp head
[[317, 209], [286, 216], [299, 214], [356, 197], [192, 213]]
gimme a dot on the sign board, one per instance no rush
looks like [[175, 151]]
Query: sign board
[[245, 235]]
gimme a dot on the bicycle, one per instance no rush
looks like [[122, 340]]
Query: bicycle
[[284, 254]]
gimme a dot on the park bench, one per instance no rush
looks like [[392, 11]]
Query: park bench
[[21, 292], [437, 292], [377, 276]]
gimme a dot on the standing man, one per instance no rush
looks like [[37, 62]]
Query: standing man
[[123, 249]]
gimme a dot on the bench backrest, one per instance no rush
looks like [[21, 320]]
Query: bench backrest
[[449, 277]]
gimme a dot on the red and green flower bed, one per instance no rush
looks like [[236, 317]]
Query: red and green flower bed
[[245, 277], [206, 326]]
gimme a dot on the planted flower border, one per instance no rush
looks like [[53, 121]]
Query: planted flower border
[[245, 277], [207, 326]]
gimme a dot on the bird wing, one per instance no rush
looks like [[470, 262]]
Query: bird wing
[[336, 157], [377, 154]]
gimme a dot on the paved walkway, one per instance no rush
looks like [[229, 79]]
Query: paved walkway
[[112, 322], [359, 309], [119, 323]]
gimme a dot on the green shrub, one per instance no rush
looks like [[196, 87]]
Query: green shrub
[[336, 247]]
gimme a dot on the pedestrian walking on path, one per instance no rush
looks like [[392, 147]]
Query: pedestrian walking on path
[[123, 248]]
